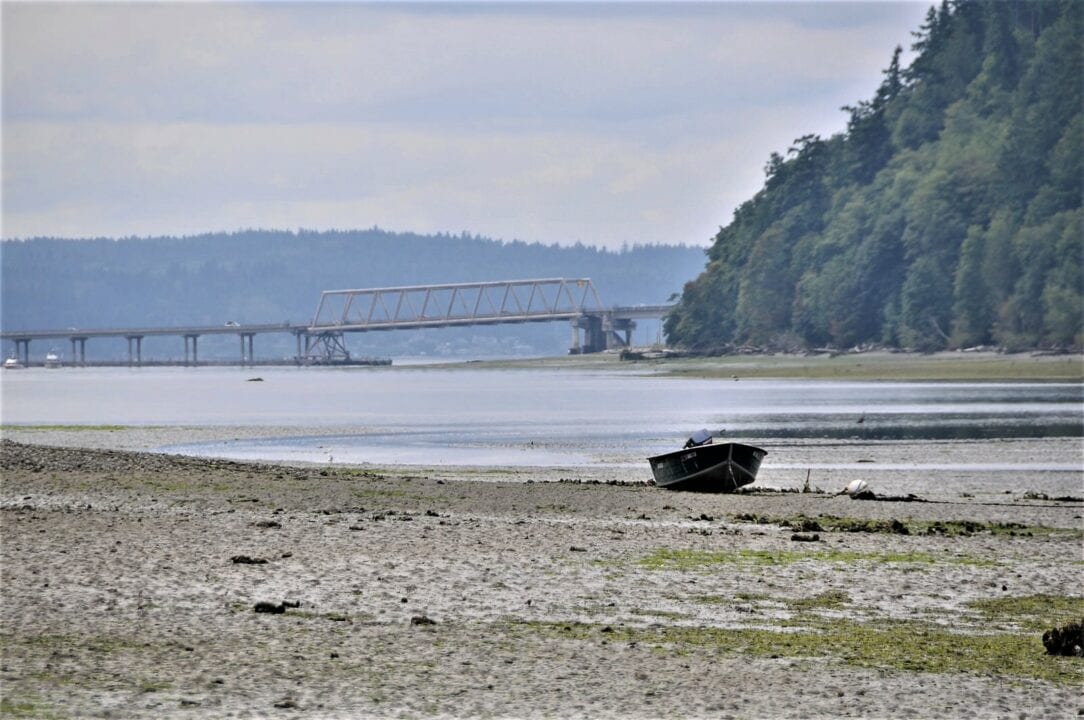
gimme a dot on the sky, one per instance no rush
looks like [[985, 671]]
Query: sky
[[556, 122]]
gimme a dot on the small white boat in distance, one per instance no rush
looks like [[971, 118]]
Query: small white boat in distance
[[52, 360], [12, 363]]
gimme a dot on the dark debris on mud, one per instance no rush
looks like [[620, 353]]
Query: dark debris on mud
[[1067, 640]]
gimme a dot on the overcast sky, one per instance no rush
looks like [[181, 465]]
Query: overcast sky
[[552, 122]]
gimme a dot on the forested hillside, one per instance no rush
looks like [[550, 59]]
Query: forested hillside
[[271, 277], [947, 215]]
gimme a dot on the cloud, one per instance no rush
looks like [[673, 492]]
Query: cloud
[[552, 122]]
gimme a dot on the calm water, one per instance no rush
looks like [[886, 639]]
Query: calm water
[[434, 416]]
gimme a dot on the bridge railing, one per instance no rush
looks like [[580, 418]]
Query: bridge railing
[[457, 303]]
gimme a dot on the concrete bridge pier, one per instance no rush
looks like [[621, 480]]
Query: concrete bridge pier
[[195, 349], [22, 351], [136, 359], [79, 351], [601, 331], [594, 337], [625, 326], [251, 358]]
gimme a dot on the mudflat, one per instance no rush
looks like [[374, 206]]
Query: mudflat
[[131, 582]]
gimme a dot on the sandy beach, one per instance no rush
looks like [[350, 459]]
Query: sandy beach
[[131, 581]]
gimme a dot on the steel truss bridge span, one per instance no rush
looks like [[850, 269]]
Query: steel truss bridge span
[[457, 304], [479, 303]]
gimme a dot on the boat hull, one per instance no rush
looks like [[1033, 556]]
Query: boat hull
[[721, 468]]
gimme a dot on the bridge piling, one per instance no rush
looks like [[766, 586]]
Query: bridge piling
[[625, 326], [594, 336], [23, 355], [79, 350], [195, 348], [137, 359], [251, 356]]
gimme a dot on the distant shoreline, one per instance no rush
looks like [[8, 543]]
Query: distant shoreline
[[986, 366], [873, 365]]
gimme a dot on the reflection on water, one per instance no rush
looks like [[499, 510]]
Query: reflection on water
[[389, 450], [910, 427]]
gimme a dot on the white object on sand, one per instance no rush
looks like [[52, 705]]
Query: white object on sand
[[854, 487]]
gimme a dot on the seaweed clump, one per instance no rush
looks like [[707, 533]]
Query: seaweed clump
[[1067, 640]]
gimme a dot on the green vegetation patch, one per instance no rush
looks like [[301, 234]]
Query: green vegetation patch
[[669, 559], [948, 528], [102, 644], [83, 665], [377, 493], [25, 706], [895, 645], [830, 600], [153, 686], [749, 597], [1032, 612]]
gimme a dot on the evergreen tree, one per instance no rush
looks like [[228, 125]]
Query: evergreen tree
[[972, 322]]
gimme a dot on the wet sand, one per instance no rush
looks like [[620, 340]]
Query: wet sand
[[130, 581]]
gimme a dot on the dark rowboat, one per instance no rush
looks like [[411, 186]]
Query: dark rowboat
[[707, 467]]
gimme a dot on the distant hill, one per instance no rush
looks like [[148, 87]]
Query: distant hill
[[273, 276], [947, 215]]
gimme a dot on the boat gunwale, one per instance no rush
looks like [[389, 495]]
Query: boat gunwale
[[652, 458]]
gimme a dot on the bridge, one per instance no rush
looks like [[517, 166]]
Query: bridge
[[393, 308]]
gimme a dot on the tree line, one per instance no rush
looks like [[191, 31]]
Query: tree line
[[947, 214]]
